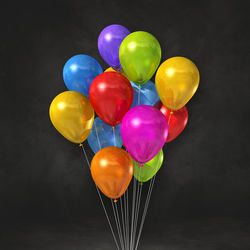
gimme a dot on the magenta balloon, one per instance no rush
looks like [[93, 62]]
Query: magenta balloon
[[144, 131]]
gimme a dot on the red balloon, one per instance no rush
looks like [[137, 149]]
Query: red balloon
[[177, 120], [111, 96]]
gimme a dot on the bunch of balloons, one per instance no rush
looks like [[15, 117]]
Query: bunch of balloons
[[133, 112]]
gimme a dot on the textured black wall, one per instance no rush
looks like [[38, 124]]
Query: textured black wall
[[206, 170]]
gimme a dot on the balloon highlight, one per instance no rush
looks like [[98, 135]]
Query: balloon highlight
[[111, 96], [72, 115], [109, 42], [79, 72], [140, 55], [177, 79], [102, 135], [144, 131], [112, 171], [149, 169]]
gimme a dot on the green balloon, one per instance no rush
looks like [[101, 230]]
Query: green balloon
[[140, 55], [149, 169]]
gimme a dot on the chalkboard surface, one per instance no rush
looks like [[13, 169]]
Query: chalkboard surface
[[206, 170]]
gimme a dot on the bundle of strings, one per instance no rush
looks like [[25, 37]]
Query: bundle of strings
[[127, 221]]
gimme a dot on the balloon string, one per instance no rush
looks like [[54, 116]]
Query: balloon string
[[138, 201], [116, 221], [100, 197], [138, 212], [150, 189], [137, 192], [119, 224], [127, 218], [145, 209], [123, 222], [132, 212], [113, 128], [135, 209], [139, 95], [119, 235], [97, 136]]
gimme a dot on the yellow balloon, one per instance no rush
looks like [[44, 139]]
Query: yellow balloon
[[110, 69], [72, 115], [177, 79], [113, 70]]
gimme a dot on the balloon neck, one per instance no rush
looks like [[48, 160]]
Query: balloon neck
[[113, 127], [115, 200], [171, 112], [139, 85], [141, 183], [141, 165], [80, 145]]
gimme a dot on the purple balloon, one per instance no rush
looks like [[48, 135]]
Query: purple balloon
[[144, 131], [109, 42]]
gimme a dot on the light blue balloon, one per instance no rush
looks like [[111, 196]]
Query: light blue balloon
[[79, 72], [101, 136], [148, 94]]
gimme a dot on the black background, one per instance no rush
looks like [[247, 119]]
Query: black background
[[45, 179]]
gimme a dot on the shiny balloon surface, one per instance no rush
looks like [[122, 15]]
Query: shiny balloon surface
[[144, 131], [112, 171], [177, 79], [72, 115]]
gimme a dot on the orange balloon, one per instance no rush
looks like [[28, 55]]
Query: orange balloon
[[112, 171]]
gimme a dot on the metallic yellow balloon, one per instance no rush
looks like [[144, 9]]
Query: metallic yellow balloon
[[113, 70], [110, 69], [177, 79], [72, 115]]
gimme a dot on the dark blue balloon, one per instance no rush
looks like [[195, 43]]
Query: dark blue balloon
[[148, 94], [101, 136], [79, 72]]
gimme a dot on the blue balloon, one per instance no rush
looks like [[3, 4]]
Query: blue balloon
[[101, 136], [79, 72], [148, 94]]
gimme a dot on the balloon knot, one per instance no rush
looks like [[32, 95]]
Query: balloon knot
[[115, 200], [80, 145], [141, 183], [113, 127], [141, 165], [171, 112]]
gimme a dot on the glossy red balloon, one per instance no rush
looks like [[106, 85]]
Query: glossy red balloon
[[177, 120], [111, 96]]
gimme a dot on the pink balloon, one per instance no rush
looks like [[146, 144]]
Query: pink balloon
[[144, 131]]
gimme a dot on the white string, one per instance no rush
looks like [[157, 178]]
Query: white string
[[97, 136], [116, 221], [145, 210], [104, 208], [119, 224], [127, 221], [150, 189], [138, 203], [139, 95], [113, 128], [123, 222], [116, 218], [132, 213], [138, 207]]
